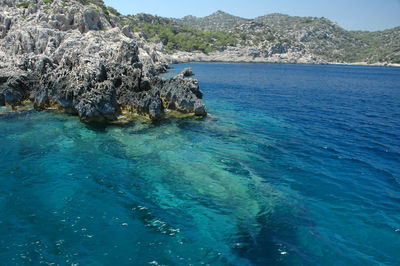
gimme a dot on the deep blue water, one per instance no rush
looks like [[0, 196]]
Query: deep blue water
[[296, 165]]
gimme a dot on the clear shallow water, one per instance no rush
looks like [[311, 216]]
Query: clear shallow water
[[296, 165]]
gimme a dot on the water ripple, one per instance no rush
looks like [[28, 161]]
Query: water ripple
[[297, 165]]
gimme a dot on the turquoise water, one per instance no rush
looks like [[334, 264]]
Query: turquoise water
[[296, 165]]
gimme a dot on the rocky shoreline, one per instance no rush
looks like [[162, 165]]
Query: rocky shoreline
[[242, 55], [77, 58], [245, 54]]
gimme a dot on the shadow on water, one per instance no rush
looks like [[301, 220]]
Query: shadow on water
[[97, 126], [16, 114], [100, 126], [276, 241]]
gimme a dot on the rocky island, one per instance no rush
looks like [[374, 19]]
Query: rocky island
[[77, 57]]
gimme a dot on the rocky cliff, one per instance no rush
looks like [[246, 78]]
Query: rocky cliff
[[75, 56]]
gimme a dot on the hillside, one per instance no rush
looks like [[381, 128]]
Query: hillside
[[178, 37], [319, 36], [218, 21], [383, 46], [328, 40]]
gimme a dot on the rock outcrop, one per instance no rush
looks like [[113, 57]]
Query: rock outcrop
[[80, 59], [187, 72]]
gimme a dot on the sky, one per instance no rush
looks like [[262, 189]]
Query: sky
[[349, 14]]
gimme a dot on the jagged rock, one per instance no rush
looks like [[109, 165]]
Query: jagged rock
[[15, 86], [279, 48], [152, 55], [187, 72], [181, 94], [91, 21], [74, 57]]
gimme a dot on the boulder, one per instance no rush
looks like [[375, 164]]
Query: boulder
[[187, 72], [181, 94]]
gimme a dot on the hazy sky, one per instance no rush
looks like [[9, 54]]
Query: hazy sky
[[350, 14]]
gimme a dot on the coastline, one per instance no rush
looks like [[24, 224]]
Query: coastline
[[294, 63], [364, 64], [287, 58]]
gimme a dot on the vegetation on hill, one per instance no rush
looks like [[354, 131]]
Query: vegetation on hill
[[218, 21], [175, 36], [383, 46], [333, 43], [319, 35]]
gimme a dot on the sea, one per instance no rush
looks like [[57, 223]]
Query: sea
[[294, 165]]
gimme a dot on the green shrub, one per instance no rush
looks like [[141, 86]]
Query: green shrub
[[24, 4], [113, 11], [178, 37]]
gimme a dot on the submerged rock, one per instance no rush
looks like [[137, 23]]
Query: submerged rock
[[76, 58]]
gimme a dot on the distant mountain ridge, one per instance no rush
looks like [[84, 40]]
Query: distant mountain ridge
[[270, 38], [218, 21], [320, 36]]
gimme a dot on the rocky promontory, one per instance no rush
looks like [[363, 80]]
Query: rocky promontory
[[77, 57]]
